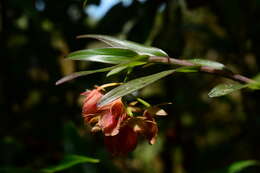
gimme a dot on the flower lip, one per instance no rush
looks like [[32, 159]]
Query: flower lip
[[122, 143], [145, 125], [112, 117]]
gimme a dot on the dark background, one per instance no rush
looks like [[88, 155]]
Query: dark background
[[41, 123]]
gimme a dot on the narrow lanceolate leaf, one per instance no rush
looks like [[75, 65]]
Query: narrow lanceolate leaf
[[224, 89], [114, 42], [116, 71], [68, 162], [104, 55], [132, 86], [241, 165], [204, 62], [83, 73], [123, 67]]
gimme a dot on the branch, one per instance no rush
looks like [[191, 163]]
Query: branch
[[206, 69]]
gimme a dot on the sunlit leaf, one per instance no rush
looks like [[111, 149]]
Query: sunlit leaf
[[204, 62], [104, 55], [239, 166], [224, 89], [114, 42], [124, 66], [69, 161], [132, 86]]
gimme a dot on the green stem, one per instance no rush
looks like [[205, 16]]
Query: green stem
[[146, 104], [128, 73]]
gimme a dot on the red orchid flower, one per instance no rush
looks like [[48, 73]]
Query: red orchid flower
[[121, 131]]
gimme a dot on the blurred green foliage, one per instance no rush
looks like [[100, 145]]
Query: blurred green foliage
[[41, 123]]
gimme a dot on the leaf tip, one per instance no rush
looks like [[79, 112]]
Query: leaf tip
[[95, 161], [80, 36], [101, 103], [85, 36], [59, 82]]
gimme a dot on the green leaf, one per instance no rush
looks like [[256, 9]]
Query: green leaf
[[132, 86], [69, 161], [116, 70], [255, 85], [104, 55], [114, 42], [83, 73], [124, 66], [188, 69], [239, 166], [224, 89], [204, 62]]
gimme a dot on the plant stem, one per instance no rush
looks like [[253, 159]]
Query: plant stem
[[206, 69]]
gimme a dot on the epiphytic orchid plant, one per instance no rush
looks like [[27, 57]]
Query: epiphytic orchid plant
[[121, 122]]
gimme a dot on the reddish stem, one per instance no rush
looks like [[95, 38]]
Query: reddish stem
[[206, 69]]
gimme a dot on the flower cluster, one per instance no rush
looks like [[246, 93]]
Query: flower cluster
[[120, 129]]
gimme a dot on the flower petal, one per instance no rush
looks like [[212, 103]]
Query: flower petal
[[90, 102], [111, 119], [123, 142]]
